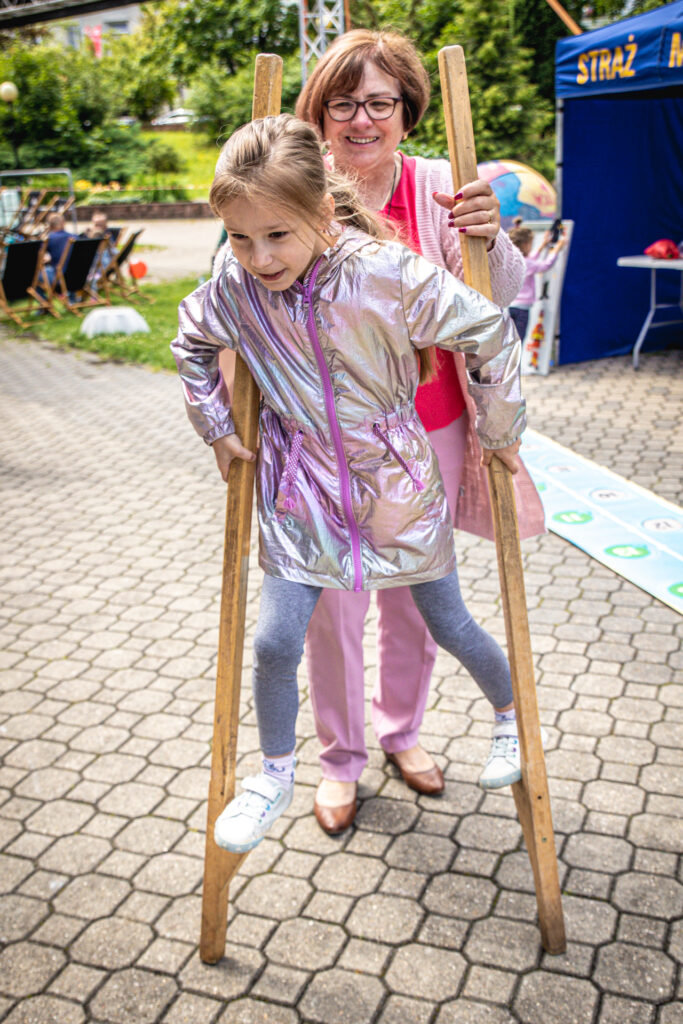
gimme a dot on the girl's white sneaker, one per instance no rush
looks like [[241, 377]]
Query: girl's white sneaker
[[247, 818], [503, 766]]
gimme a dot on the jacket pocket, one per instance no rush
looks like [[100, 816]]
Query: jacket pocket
[[412, 472]]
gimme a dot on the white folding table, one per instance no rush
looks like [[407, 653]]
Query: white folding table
[[653, 266]]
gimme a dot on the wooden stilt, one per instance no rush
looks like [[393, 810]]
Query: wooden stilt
[[219, 865], [531, 793]]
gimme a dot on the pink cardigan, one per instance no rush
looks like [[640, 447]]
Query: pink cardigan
[[441, 245]]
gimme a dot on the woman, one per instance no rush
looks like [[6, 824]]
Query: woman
[[365, 95]]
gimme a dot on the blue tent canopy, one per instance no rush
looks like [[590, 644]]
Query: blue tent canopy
[[645, 52], [620, 176]]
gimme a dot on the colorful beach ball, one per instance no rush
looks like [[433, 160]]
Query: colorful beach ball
[[521, 191]]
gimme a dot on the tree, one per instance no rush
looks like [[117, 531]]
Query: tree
[[226, 31], [63, 115], [615, 10], [539, 29], [510, 118], [140, 69], [44, 112]]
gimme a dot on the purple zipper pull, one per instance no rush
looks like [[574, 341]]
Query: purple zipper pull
[[417, 483]]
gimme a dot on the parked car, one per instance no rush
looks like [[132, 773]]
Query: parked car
[[178, 116]]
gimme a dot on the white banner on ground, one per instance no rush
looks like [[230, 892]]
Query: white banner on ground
[[634, 532], [539, 349]]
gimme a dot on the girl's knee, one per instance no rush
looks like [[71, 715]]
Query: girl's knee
[[274, 652]]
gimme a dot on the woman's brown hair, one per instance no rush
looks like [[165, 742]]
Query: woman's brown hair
[[340, 69]]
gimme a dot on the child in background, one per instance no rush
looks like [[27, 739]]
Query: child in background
[[328, 318], [523, 238]]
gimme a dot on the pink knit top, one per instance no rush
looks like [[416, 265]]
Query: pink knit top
[[441, 245], [425, 229]]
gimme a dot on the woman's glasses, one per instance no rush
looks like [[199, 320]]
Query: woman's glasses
[[380, 108]]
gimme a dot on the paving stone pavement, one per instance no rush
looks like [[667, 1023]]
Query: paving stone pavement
[[422, 914]]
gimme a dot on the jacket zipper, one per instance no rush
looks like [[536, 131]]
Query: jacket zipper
[[328, 392]]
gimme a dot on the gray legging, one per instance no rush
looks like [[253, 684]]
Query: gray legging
[[286, 608]]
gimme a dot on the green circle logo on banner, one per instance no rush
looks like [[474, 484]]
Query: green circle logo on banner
[[676, 589], [628, 551], [573, 518]]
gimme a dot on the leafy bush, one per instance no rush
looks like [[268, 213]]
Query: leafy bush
[[160, 158], [64, 116]]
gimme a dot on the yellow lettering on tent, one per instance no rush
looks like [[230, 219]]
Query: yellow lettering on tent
[[618, 62], [676, 52], [604, 64], [632, 50]]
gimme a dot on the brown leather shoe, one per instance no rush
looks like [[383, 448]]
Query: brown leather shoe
[[429, 782], [334, 820]]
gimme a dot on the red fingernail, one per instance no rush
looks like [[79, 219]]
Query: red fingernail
[[434, 195], [459, 196], [464, 230]]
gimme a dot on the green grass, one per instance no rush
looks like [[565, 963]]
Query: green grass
[[148, 349]]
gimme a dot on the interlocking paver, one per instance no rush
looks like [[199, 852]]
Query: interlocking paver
[[341, 996], [635, 971], [132, 997], [426, 972], [46, 1008], [564, 1000], [27, 968], [306, 944], [425, 912], [466, 1011], [19, 916]]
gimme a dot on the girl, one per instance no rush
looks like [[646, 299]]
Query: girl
[[523, 238], [328, 317]]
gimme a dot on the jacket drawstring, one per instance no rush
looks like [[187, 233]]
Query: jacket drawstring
[[286, 501], [417, 483]]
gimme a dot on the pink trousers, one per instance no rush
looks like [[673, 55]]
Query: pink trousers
[[334, 654]]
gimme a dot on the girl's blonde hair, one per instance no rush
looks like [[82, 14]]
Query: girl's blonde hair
[[278, 161]]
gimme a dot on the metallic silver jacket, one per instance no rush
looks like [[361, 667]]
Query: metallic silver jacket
[[349, 490]]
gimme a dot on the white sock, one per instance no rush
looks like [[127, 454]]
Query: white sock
[[509, 717], [281, 769]]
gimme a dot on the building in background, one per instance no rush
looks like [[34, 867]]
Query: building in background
[[93, 26]]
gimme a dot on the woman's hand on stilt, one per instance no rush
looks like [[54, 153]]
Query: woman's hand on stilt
[[228, 448], [507, 455], [475, 210]]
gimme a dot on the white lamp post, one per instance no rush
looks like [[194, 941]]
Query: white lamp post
[[9, 93]]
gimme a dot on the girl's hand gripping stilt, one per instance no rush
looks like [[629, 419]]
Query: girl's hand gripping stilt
[[508, 456], [228, 448]]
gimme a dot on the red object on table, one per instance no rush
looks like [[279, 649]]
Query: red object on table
[[663, 249]]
